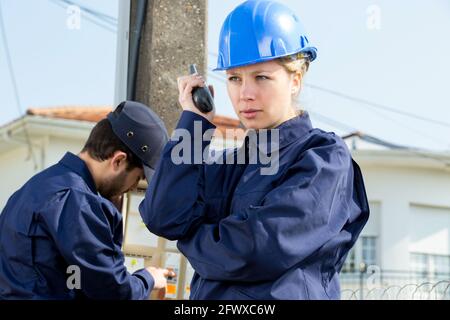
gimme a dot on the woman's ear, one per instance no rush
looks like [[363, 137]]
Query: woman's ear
[[296, 83]]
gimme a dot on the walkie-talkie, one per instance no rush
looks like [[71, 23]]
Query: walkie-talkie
[[202, 97]]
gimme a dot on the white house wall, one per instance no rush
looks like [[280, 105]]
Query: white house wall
[[429, 230], [58, 147], [15, 169], [399, 191]]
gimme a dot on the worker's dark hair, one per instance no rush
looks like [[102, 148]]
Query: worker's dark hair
[[102, 143]]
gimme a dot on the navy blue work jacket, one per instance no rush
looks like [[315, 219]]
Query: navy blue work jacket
[[253, 236]]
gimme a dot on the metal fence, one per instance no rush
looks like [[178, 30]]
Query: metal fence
[[377, 284]]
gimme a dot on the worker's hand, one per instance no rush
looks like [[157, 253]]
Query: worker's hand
[[185, 86], [160, 277]]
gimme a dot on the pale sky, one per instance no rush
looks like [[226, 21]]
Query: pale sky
[[391, 53]]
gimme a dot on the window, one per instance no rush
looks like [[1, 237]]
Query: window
[[350, 262], [431, 265], [369, 251], [440, 264], [419, 262], [364, 251]]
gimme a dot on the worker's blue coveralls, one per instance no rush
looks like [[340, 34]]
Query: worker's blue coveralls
[[253, 236], [57, 220]]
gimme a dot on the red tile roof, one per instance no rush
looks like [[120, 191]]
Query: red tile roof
[[91, 114], [97, 113]]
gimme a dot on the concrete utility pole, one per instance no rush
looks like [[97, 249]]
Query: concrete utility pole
[[173, 35]]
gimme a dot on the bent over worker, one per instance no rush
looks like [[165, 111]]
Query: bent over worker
[[62, 220]]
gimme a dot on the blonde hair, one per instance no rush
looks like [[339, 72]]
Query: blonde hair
[[293, 64], [296, 63]]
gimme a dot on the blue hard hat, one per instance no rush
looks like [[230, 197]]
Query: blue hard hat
[[141, 130], [258, 31]]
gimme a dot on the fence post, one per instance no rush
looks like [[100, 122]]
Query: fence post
[[362, 271]]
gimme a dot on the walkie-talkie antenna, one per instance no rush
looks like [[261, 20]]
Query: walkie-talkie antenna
[[193, 69], [201, 96]]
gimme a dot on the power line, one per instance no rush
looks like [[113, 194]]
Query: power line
[[413, 130], [410, 150], [104, 17], [377, 105], [95, 19], [332, 122], [15, 88]]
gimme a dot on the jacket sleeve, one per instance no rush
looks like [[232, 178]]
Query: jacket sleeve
[[87, 237], [305, 211], [182, 196]]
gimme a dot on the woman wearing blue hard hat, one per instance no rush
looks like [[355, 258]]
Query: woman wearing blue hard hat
[[249, 235]]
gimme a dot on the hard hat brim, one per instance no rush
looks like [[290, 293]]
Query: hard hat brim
[[311, 50]]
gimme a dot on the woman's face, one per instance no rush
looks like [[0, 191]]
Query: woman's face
[[262, 94]]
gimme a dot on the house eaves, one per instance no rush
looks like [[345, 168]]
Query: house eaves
[[403, 158], [14, 133]]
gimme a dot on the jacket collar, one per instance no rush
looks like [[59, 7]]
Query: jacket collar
[[75, 164], [281, 136]]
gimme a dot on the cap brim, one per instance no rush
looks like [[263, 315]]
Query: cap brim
[[149, 172]]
